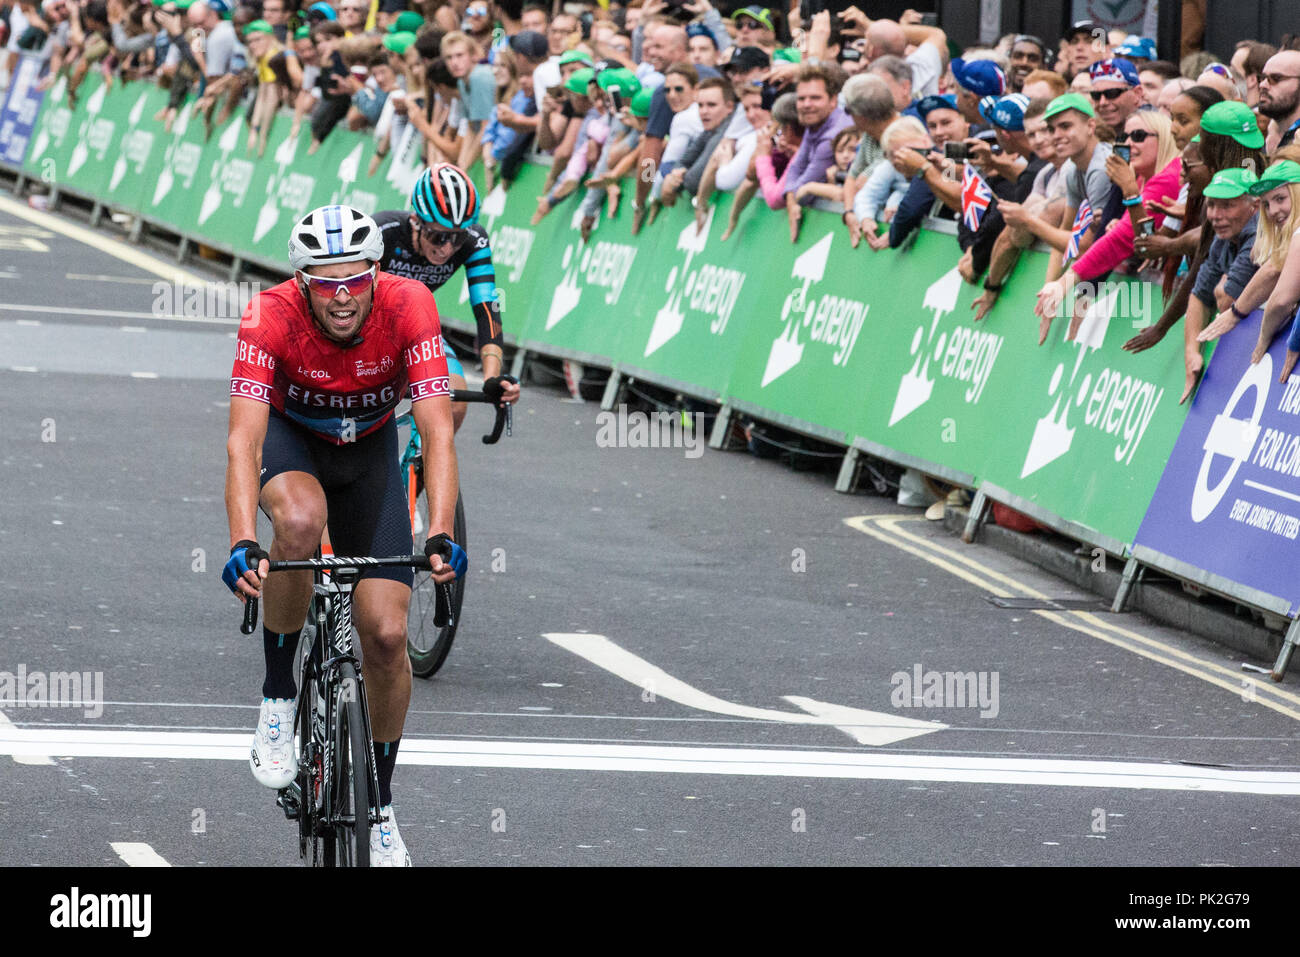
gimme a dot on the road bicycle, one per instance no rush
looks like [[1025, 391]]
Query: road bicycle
[[428, 636], [334, 798]]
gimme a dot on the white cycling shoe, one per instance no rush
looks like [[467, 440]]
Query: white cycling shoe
[[387, 849], [272, 758]]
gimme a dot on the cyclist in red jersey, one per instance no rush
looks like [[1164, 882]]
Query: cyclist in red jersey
[[321, 362]]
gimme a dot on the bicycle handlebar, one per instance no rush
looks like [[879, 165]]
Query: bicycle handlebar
[[505, 412], [441, 612]]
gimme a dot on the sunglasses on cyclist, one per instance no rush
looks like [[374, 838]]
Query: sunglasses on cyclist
[[1113, 94], [352, 285], [440, 237]]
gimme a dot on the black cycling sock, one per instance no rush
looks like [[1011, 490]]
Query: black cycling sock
[[281, 656], [385, 760]]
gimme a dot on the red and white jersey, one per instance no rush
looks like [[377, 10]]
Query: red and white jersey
[[341, 393]]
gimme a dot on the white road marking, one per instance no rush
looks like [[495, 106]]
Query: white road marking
[[134, 280], [5, 726], [134, 329], [28, 322], [109, 313], [677, 759], [23, 369], [144, 375], [138, 855], [865, 727], [105, 244]]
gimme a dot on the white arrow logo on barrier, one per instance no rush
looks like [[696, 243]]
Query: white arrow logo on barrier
[[916, 386], [865, 727], [787, 350]]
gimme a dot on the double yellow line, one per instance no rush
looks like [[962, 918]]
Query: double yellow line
[[889, 529]]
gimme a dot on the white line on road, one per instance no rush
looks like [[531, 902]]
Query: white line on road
[[677, 759], [134, 280], [5, 726], [138, 855], [134, 329], [866, 727], [109, 313], [144, 375], [23, 369], [28, 322]]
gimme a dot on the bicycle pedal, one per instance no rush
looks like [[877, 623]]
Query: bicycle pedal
[[287, 799]]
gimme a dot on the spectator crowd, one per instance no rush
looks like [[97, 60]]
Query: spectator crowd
[[1118, 162]]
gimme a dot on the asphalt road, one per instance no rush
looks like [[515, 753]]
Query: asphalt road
[[757, 628]]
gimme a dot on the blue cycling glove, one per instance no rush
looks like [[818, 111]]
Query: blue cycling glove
[[450, 552], [244, 556]]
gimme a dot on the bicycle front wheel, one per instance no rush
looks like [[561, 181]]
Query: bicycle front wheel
[[348, 808], [427, 645]]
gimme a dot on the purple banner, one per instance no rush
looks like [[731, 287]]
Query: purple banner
[[1228, 502], [18, 115]]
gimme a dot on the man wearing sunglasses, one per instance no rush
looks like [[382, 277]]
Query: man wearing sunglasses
[[1116, 91], [322, 361], [430, 244], [1279, 97]]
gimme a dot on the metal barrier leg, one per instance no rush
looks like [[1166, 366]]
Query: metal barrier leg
[[55, 199], [978, 510], [721, 428], [236, 267], [848, 470], [613, 391], [20, 183], [137, 230], [182, 249], [1132, 574], [96, 214], [517, 364], [1288, 648]]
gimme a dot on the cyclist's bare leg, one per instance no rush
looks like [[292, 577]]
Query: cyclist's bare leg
[[458, 408], [296, 503], [379, 607]]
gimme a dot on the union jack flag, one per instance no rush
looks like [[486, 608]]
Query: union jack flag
[[975, 197], [1082, 220]]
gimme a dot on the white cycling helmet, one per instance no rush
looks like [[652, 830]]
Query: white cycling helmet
[[333, 234]]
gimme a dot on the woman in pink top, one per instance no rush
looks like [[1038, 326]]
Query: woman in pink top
[[775, 148], [1151, 174]]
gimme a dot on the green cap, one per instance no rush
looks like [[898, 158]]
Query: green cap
[[408, 21], [1279, 174], [1230, 183], [259, 26], [760, 14], [577, 83], [574, 56], [1195, 139], [1231, 118], [399, 43], [181, 5], [302, 33], [787, 55], [1069, 101], [621, 79], [640, 105]]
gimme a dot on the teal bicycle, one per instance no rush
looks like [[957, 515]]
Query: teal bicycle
[[429, 639]]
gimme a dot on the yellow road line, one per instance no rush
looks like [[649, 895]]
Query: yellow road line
[[885, 528], [892, 521], [102, 242]]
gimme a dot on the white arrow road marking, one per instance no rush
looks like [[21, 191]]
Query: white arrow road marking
[[7, 726], [864, 727], [138, 855], [749, 762]]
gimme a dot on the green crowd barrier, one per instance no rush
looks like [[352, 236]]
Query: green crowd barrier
[[876, 350]]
